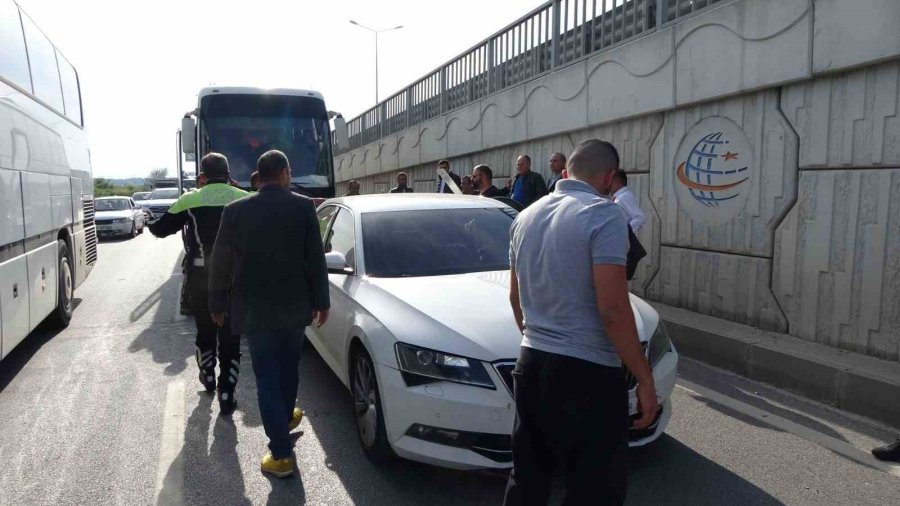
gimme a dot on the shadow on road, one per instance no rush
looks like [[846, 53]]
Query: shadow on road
[[670, 472], [169, 340], [667, 472], [212, 472], [19, 357]]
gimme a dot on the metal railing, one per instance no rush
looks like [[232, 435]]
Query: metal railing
[[554, 35]]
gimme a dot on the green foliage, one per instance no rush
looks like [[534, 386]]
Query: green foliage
[[105, 188]]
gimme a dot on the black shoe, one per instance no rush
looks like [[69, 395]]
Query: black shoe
[[889, 452], [227, 402], [208, 379]]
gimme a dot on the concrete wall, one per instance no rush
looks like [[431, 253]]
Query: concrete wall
[[802, 231]]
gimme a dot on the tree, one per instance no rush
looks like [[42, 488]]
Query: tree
[[157, 174]]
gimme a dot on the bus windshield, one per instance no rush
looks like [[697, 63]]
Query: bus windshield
[[243, 127]]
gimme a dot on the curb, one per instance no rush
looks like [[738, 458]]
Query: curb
[[850, 381]]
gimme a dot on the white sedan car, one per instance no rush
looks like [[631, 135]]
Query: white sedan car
[[422, 334]]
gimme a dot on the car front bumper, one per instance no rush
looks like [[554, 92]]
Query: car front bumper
[[481, 419], [114, 228]]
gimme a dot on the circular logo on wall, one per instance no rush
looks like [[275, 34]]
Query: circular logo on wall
[[714, 170]]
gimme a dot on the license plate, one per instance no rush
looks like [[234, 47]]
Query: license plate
[[632, 404]]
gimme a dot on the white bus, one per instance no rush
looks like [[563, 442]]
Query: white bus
[[243, 123], [48, 243]]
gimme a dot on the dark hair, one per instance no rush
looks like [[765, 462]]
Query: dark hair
[[270, 165], [622, 177], [444, 162], [484, 169], [214, 166], [591, 157]]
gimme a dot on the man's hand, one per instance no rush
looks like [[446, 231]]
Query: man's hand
[[509, 183], [219, 318], [320, 316], [647, 404]]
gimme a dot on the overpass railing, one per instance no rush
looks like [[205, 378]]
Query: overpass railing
[[554, 35]]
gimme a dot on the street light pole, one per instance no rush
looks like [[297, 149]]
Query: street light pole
[[376, 32]]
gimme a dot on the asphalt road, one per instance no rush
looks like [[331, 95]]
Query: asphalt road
[[109, 411]]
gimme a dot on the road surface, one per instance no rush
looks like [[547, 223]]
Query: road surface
[[109, 411]]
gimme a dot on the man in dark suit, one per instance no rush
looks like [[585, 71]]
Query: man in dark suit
[[557, 166], [268, 274]]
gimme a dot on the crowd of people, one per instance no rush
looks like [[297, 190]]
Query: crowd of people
[[525, 188]]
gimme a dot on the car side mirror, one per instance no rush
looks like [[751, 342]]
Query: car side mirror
[[337, 263]]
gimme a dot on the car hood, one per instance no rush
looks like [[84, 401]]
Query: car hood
[[158, 202], [111, 215], [465, 314]]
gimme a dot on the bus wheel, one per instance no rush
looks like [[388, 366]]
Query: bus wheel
[[65, 287]]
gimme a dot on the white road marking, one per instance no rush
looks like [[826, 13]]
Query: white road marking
[[170, 471], [836, 445]]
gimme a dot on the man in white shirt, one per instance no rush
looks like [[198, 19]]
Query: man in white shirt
[[623, 196]]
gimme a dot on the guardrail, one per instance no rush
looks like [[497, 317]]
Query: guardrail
[[556, 34]]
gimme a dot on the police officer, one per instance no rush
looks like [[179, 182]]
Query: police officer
[[199, 213]]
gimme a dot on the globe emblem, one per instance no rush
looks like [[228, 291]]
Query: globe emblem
[[714, 170]]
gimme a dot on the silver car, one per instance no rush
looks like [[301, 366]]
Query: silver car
[[118, 216]]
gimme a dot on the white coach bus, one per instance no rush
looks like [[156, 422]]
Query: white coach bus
[[48, 243]]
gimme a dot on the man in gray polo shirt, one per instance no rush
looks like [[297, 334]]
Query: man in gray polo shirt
[[570, 299]]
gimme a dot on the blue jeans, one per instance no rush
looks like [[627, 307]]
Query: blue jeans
[[276, 356]]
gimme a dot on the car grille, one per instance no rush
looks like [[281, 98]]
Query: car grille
[[630, 380], [90, 230], [104, 221], [159, 209], [505, 369]]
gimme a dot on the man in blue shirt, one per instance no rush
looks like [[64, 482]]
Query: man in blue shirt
[[570, 299]]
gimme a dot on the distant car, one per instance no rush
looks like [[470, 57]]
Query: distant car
[[160, 200], [118, 216], [139, 198], [422, 334]]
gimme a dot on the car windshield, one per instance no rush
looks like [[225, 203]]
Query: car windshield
[[436, 242], [164, 194], [140, 196], [111, 205]]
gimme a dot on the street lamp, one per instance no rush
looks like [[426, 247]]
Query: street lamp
[[376, 32]]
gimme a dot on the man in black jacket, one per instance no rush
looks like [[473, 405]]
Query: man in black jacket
[[528, 186], [483, 178], [402, 184], [442, 186], [198, 214], [268, 274]]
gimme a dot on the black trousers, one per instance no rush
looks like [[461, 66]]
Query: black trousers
[[212, 341], [570, 414]]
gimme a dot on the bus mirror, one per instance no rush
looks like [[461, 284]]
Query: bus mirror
[[188, 135], [341, 137]]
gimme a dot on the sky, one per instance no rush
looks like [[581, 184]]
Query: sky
[[142, 62]]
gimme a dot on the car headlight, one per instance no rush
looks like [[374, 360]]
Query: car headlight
[[660, 344], [442, 366], [123, 220]]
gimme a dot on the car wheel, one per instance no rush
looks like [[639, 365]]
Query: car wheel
[[367, 408], [65, 288]]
